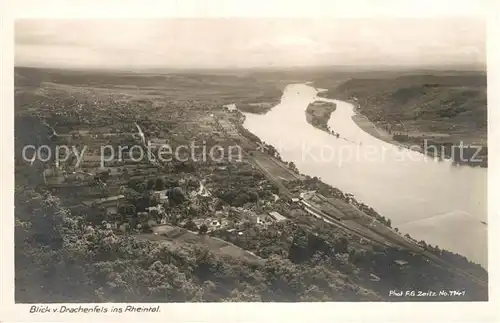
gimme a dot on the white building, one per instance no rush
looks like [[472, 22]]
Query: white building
[[276, 216], [161, 196]]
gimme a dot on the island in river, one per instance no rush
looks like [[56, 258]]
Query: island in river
[[318, 113]]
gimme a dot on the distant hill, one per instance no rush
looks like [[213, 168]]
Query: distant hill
[[442, 108], [223, 88], [458, 99], [451, 102]]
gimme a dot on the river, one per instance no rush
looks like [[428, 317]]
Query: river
[[431, 200]]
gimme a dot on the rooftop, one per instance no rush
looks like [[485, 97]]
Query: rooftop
[[277, 216], [104, 200], [401, 262]]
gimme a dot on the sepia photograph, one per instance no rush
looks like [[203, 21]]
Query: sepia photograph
[[249, 159]]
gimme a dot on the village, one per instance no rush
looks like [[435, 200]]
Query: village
[[223, 198], [138, 196]]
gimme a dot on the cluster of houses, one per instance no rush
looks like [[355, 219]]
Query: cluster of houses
[[118, 215], [232, 218]]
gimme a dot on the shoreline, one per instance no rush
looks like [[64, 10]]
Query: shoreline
[[365, 124], [370, 128]]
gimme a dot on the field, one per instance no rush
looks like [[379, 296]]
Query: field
[[215, 245], [179, 87], [278, 169]]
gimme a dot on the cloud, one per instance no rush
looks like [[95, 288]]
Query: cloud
[[247, 42]]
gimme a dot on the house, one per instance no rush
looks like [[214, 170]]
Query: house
[[157, 143], [401, 263], [75, 177], [159, 208], [221, 214], [260, 220], [307, 194], [294, 200], [230, 107], [111, 225], [215, 223], [253, 219], [106, 202], [124, 227], [276, 216], [111, 210], [152, 223], [53, 176], [143, 216], [161, 196], [199, 222]]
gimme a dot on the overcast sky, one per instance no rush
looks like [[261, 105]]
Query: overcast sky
[[219, 43]]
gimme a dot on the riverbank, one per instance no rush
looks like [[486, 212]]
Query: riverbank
[[257, 107], [370, 128], [441, 111], [441, 151]]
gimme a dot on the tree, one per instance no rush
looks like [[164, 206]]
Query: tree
[[293, 167], [147, 228], [142, 187], [352, 255], [176, 195], [341, 245], [159, 184], [190, 225], [134, 184], [150, 184], [103, 176], [203, 229]]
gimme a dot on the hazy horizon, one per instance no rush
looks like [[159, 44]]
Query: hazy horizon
[[249, 43]]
